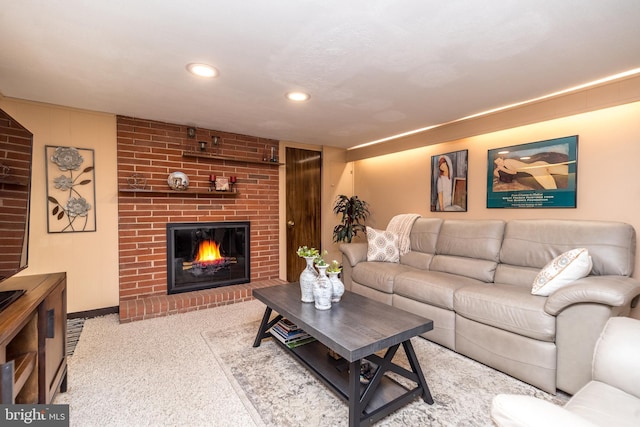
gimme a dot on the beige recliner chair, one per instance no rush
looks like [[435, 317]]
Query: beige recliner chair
[[611, 398]]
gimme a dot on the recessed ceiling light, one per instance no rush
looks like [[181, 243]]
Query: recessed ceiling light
[[202, 70], [297, 96]]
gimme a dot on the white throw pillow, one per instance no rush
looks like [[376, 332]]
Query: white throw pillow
[[561, 271], [383, 246]]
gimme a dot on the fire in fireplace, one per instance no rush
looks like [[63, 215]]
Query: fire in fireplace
[[207, 255]]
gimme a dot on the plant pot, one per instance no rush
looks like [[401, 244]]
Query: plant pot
[[322, 289], [336, 285], [307, 280]]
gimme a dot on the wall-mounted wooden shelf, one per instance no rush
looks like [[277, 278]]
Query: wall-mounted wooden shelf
[[188, 192], [233, 159]]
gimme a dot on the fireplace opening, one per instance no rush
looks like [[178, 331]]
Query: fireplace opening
[[207, 255]]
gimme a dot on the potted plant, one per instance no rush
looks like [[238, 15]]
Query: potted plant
[[334, 267], [354, 211], [306, 252]]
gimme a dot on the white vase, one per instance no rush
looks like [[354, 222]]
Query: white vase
[[322, 289], [337, 286], [307, 279]]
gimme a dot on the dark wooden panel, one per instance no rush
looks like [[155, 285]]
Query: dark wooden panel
[[303, 192]]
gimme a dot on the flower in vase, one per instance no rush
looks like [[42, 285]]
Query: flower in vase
[[319, 261], [306, 252], [334, 267]]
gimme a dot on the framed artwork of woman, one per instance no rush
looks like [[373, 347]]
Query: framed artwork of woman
[[534, 175], [449, 182]]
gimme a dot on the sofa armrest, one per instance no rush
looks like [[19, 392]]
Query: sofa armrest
[[354, 252], [516, 410], [614, 291]]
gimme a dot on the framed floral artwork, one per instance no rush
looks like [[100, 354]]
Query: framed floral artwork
[[71, 189]]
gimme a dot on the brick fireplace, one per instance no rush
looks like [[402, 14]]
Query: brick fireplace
[[148, 151]]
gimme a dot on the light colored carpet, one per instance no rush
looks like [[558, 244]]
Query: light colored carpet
[[199, 369], [156, 372], [286, 394]]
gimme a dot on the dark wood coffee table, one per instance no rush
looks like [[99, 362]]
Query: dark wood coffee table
[[355, 328]]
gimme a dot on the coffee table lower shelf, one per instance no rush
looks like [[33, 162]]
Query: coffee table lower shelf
[[387, 396]]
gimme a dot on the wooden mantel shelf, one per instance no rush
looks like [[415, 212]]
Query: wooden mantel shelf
[[188, 192], [230, 158]]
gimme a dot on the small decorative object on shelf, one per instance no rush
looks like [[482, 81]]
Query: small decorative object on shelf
[[178, 181], [191, 132], [337, 286], [4, 171], [137, 181], [203, 145], [215, 143], [232, 183], [212, 182], [308, 275], [222, 184], [274, 155]]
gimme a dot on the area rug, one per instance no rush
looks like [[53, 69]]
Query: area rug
[[284, 393]]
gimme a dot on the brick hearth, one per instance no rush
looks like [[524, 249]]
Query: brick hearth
[[154, 150], [164, 305]]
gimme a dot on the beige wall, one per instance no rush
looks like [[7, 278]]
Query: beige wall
[[608, 172], [90, 258]]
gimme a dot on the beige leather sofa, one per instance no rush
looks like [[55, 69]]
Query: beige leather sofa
[[474, 279], [611, 398]]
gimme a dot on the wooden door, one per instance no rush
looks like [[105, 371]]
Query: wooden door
[[303, 190]]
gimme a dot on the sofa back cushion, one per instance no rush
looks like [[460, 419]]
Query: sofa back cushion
[[469, 248], [533, 243], [423, 236]]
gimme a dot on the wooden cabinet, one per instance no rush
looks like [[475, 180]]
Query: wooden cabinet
[[33, 362]]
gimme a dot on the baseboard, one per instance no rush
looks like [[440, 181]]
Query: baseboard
[[93, 313]]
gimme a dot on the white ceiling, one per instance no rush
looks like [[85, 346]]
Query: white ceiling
[[374, 68]]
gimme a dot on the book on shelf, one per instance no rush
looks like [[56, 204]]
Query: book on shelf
[[289, 334], [301, 342], [288, 325]]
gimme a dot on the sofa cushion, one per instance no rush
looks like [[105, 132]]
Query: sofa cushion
[[605, 405], [383, 246], [477, 239], [424, 235], [378, 275], [417, 259], [431, 287], [478, 269], [562, 271], [534, 242], [515, 275], [507, 307]]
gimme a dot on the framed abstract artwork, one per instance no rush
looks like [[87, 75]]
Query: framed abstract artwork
[[449, 182], [71, 192], [539, 174]]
